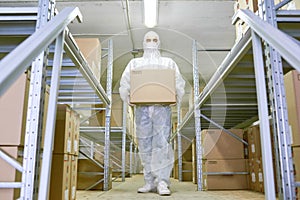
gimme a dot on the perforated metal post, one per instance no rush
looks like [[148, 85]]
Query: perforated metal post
[[284, 160], [34, 119], [108, 114], [197, 117], [179, 145], [130, 165], [124, 140], [135, 159]]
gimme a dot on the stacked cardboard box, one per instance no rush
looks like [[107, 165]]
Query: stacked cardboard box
[[256, 176], [98, 118], [116, 111], [296, 156], [65, 154], [246, 4], [86, 168], [223, 163], [187, 171], [13, 106], [292, 89], [225, 174], [256, 181], [91, 176], [292, 86], [187, 164], [115, 159], [60, 177], [91, 50], [240, 26], [116, 118]]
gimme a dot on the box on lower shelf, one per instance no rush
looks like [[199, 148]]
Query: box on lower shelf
[[90, 176], [231, 174]]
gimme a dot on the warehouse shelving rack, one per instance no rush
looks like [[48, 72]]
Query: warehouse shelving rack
[[236, 95], [40, 38], [120, 140]]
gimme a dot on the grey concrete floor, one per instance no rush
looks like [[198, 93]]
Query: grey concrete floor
[[180, 191]]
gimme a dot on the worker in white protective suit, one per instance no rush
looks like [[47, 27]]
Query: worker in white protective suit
[[153, 122]]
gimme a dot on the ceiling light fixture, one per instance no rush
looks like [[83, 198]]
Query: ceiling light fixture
[[150, 13]]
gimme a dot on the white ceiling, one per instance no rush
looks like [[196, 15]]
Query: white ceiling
[[179, 23]]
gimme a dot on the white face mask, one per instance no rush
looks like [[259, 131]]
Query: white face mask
[[151, 45], [151, 41]]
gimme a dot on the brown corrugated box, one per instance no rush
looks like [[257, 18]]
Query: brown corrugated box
[[246, 4], [116, 111], [98, 119], [60, 177], [73, 177], [186, 155], [75, 132], [241, 27], [91, 50], [63, 130], [225, 174], [256, 176], [217, 144], [254, 144], [256, 181], [187, 171], [99, 153], [186, 149], [292, 90], [86, 175], [13, 106], [296, 159], [152, 86]]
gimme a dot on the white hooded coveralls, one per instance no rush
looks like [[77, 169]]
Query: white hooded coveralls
[[153, 122]]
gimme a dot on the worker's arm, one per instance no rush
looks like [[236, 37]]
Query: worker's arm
[[125, 83], [180, 83]]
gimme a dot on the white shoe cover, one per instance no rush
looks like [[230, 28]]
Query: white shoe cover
[[162, 189], [147, 188]]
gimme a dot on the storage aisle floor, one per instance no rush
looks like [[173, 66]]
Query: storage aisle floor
[[180, 190]]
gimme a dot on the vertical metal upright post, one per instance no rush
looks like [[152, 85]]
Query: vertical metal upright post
[[263, 117], [51, 117], [197, 116], [135, 159], [282, 141], [124, 140], [108, 114], [34, 119], [130, 158], [179, 145]]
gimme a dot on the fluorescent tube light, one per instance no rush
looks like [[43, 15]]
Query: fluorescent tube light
[[150, 13]]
